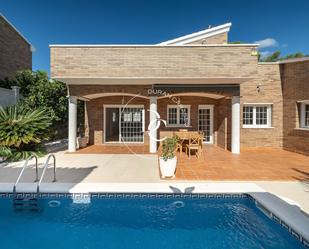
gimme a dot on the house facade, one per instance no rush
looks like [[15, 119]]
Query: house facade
[[139, 94], [295, 83], [15, 50]]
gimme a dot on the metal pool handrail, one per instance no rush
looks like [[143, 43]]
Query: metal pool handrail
[[23, 169], [44, 170]]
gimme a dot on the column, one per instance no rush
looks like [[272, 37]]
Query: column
[[235, 125], [72, 123], [152, 120], [16, 93]]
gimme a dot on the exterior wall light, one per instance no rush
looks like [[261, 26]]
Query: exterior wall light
[[258, 87], [254, 52]]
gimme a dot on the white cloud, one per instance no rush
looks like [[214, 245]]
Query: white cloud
[[32, 48], [266, 53], [268, 42]]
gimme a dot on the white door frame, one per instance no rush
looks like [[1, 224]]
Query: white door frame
[[211, 110], [122, 106]]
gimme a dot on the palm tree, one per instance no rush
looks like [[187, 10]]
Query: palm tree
[[22, 130]]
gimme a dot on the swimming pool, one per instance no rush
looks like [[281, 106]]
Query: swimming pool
[[142, 221]]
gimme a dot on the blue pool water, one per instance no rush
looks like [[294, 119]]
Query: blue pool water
[[142, 223]]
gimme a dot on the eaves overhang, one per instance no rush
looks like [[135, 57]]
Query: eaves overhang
[[149, 81]]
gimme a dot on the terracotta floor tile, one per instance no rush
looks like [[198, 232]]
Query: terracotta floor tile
[[219, 164]]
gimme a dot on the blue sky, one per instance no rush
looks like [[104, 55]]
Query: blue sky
[[280, 24]]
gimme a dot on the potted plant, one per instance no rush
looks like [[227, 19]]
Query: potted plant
[[168, 160]]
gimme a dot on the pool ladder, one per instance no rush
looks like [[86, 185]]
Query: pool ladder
[[30, 201]]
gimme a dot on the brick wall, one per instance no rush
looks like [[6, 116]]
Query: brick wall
[[88, 90], [15, 53], [194, 102], [95, 115], [295, 81], [270, 84], [95, 118], [182, 62], [230, 61]]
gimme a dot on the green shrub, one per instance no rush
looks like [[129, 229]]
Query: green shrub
[[38, 91], [169, 147], [22, 130]]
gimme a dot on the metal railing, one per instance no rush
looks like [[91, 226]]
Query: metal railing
[[44, 170], [23, 169]]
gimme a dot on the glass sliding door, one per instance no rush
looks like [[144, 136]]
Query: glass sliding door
[[124, 124], [131, 125]]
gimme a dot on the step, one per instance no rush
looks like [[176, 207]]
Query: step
[[26, 199]]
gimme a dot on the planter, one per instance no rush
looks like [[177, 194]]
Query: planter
[[82, 142], [168, 167]]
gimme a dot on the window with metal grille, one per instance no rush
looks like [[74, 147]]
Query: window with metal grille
[[131, 127], [261, 115], [178, 115], [257, 116], [172, 116], [248, 115], [204, 123], [304, 114], [307, 115]]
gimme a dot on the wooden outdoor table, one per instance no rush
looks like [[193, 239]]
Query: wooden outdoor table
[[185, 135]]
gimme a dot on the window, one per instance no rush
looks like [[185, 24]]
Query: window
[[307, 115], [304, 115], [257, 116], [248, 115], [178, 115]]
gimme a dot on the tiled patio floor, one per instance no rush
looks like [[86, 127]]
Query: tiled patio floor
[[114, 149], [251, 164], [219, 164]]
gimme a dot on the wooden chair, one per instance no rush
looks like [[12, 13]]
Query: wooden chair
[[201, 133], [194, 144], [179, 147], [180, 144]]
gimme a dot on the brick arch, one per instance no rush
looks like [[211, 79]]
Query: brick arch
[[100, 95], [194, 94], [92, 90]]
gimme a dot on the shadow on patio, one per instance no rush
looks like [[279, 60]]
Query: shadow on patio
[[9, 173], [304, 179]]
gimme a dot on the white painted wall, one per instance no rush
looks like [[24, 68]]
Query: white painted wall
[[9, 96]]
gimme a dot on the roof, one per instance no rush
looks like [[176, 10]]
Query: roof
[[177, 42], [306, 58], [203, 34], [20, 34]]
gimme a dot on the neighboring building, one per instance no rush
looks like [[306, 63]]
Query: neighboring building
[[197, 82], [15, 50]]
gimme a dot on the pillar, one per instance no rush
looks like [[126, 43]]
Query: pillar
[[72, 128], [152, 120], [235, 125]]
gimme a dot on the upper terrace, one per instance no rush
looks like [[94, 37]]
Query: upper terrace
[[149, 64], [203, 57]]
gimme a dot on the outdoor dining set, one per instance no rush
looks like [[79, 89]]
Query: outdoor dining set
[[189, 141]]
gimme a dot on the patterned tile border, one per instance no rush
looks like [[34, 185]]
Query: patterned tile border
[[272, 216], [125, 195], [161, 196]]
